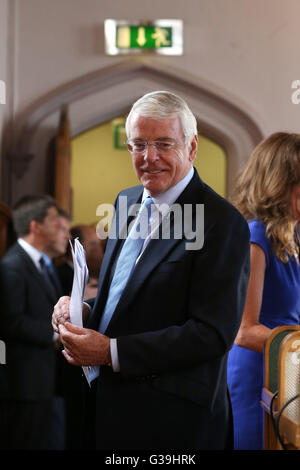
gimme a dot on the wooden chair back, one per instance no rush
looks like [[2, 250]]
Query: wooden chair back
[[271, 386], [289, 389]]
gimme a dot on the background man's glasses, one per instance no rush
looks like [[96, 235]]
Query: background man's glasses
[[141, 146]]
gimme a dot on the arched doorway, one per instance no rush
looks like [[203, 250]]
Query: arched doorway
[[105, 94], [102, 150]]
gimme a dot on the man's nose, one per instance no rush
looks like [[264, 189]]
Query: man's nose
[[151, 153]]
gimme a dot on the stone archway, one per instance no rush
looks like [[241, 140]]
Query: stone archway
[[110, 92]]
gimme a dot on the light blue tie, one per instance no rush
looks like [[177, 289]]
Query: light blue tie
[[124, 267]]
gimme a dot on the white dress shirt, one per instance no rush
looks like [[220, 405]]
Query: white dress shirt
[[34, 254]]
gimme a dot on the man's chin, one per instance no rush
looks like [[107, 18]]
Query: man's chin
[[153, 184], [153, 189]]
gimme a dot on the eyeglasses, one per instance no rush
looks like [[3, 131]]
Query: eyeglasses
[[141, 146]]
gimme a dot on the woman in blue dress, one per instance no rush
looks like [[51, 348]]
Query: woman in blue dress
[[268, 195]]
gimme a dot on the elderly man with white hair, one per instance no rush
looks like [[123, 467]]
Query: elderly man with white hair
[[168, 306]]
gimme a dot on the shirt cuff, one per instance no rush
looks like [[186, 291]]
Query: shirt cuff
[[55, 336], [114, 355]]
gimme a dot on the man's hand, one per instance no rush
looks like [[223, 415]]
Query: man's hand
[[84, 347], [61, 313]]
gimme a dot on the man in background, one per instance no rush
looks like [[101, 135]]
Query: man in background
[[57, 247], [54, 251], [71, 377], [27, 296]]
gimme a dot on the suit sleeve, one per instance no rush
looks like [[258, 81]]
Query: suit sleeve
[[216, 296], [15, 323]]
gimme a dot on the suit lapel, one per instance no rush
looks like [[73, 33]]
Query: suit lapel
[[158, 249], [56, 282], [155, 252], [113, 245], [35, 273]]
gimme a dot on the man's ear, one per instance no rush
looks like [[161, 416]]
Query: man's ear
[[193, 148], [34, 227]]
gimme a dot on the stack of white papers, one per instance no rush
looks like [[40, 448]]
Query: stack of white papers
[[80, 279]]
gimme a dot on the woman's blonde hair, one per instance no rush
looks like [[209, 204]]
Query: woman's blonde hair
[[264, 186]]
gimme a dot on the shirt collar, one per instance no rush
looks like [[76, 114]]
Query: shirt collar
[[171, 195], [33, 253]]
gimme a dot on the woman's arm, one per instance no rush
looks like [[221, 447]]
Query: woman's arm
[[252, 334]]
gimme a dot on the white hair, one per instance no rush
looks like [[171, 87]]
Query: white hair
[[165, 105]]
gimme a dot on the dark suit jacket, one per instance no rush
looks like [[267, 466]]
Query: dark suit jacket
[[65, 273], [25, 326], [175, 323]]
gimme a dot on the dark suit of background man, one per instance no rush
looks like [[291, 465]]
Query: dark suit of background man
[[54, 252], [162, 382], [72, 376], [27, 298]]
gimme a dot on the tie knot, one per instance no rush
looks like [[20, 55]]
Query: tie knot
[[147, 201], [46, 265], [145, 209], [146, 205]]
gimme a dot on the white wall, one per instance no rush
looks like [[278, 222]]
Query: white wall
[[248, 48], [245, 50]]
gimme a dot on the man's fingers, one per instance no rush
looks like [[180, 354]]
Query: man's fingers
[[69, 352], [61, 313], [69, 358], [75, 329], [70, 334], [63, 300], [67, 337], [54, 324]]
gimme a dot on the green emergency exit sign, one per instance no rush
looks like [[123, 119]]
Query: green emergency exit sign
[[119, 134], [143, 37], [158, 37]]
